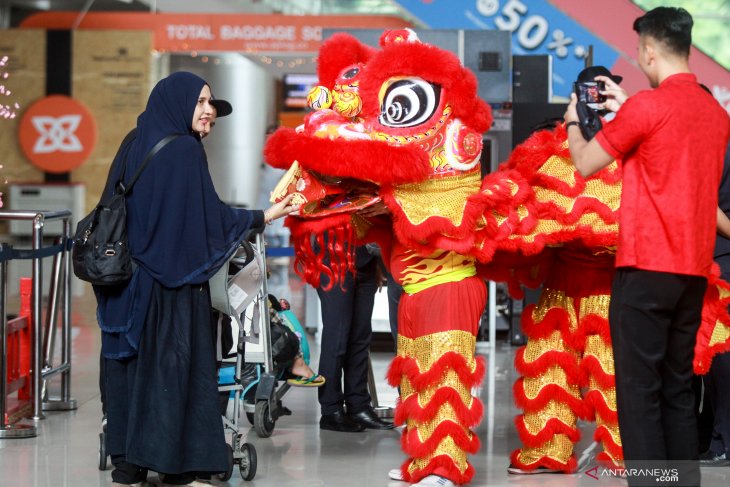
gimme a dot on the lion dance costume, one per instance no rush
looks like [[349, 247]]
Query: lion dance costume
[[402, 126], [567, 364]]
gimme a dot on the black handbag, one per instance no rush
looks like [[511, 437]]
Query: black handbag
[[100, 254]]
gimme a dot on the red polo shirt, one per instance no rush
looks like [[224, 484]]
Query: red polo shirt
[[672, 143]]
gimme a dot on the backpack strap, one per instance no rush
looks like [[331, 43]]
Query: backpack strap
[[128, 138], [125, 189], [108, 186]]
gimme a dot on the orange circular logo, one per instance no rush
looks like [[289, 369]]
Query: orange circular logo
[[57, 133]]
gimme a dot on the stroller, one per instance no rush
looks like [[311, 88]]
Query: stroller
[[249, 376]]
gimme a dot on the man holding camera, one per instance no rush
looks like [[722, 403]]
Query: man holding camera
[[671, 141]]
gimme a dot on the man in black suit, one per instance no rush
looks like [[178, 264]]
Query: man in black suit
[[346, 334]]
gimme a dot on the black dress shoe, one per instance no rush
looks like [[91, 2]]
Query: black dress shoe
[[710, 459], [370, 420], [338, 421]]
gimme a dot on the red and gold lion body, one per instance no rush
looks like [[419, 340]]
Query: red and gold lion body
[[405, 128]]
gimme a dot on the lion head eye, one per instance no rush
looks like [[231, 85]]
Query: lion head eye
[[350, 72], [409, 102]]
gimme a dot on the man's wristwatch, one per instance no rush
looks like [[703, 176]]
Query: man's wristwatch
[[569, 124]]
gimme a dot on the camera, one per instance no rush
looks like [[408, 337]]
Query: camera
[[589, 92]]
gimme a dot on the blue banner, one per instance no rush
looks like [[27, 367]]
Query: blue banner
[[537, 28]]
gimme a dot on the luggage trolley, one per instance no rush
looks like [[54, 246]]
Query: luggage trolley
[[238, 290]]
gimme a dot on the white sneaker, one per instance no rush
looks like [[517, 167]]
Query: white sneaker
[[395, 474], [434, 481]]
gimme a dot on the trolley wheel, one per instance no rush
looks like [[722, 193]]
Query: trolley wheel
[[263, 424], [250, 418], [227, 474], [102, 452], [248, 461]]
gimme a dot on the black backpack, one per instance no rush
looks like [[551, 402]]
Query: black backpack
[[100, 254]]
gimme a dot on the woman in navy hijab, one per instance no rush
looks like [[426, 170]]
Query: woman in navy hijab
[[158, 338]]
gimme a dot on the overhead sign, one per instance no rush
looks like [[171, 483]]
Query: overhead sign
[[57, 134], [565, 29], [220, 32], [536, 26]]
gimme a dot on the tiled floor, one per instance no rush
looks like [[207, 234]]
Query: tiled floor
[[64, 454]]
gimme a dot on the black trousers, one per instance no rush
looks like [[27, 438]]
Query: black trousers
[[346, 335], [394, 292], [717, 392], [654, 317]]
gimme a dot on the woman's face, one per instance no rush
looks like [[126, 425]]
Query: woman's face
[[204, 113]]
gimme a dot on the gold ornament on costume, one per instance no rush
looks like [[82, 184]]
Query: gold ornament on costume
[[559, 448], [536, 421], [463, 146], [445, 197], [429, 348], [448, 447], [319, 98], [347, 103]]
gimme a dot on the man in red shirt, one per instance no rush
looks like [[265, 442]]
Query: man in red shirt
[[671, 141]]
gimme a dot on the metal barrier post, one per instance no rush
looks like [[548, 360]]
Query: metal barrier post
[[35, 320], [61, 274], [380, 411], [7, 430], [40, 374], [66, 323], [49, 330]]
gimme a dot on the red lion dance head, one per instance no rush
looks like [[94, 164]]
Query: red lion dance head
[[401, 115]]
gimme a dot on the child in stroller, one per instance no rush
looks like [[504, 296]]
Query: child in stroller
[[289, 347], [301, 375]]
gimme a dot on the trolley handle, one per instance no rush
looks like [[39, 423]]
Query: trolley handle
[[253, 231], [242, 261]]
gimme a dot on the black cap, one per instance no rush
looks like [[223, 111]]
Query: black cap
[[591, 72], [222, 107]]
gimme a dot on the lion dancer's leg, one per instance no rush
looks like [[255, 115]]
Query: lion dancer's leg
[[549, 389], [436, 370], [568, 347], [601, 383]]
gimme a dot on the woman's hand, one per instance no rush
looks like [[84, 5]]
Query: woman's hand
[[280, 209], [376, 209]]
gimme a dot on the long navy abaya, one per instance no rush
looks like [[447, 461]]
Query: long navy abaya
[[157, 332]]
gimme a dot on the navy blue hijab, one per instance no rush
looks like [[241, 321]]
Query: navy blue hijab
[[180, 233]]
